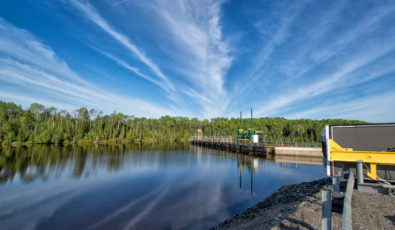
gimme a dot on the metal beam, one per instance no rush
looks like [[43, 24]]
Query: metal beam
[[385, 158]]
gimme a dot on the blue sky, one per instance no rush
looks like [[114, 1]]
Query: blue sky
[[292, 59]]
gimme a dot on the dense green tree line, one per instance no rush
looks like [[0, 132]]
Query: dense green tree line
[[39, 124]]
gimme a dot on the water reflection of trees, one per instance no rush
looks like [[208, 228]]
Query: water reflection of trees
[[29, 163], [40, 161]]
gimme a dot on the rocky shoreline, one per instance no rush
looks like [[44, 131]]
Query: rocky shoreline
[[273, 212], [299, 206]]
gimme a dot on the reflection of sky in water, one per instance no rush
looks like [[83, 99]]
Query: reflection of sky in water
[[98, 188]]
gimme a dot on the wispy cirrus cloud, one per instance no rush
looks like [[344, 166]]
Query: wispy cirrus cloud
[[21, 45], [91, 13], [349, 54], [196, 30], [317, 46], [365, 25], [341, 78], [285, 20], [203, 59], [134, 70], [367, 108], [201, 53], [33, 69]]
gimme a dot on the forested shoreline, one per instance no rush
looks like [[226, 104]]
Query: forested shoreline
[[39, 124]]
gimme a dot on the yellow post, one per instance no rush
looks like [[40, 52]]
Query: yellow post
[[372, 174]]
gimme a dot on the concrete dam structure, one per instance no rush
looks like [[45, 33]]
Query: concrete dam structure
[[259, 149]]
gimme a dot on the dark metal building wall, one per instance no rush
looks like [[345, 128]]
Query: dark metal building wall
[[379, 137]]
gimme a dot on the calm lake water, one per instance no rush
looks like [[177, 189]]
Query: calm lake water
[[167, 186]]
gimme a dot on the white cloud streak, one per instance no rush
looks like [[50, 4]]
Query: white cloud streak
[[346, 74], [21, 45], [196, 30], [316, 50], [30, 65], [366, 24], [328, 82], [91, 13], [288, 18], [376, 108], [194, 40], [135, 70]]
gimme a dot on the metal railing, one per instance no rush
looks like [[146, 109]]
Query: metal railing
[[291, 144], [347, 209], [233, 139], [217, 139]]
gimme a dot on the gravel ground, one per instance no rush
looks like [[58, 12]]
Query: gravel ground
[[299, 207]]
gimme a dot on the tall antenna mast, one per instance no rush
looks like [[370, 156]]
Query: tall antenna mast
[[251, 119], [241, 121]]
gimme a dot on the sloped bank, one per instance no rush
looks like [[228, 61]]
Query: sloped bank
[[299, 207], [275, 210]]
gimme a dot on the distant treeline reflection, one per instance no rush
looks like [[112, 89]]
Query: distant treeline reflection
[[33, 162], [38, 124]]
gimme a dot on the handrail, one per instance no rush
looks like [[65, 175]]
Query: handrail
[[347, 208], [266, 143]]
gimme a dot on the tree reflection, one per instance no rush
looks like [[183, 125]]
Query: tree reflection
[[33, 162]]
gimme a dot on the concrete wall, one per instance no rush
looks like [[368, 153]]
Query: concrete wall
[[299, 160], [298, 151]]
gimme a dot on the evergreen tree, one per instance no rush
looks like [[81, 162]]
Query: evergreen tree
[[38, 124]]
